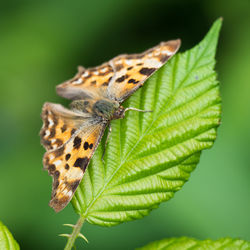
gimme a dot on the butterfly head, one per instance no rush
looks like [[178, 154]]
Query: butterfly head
[[119, 113]]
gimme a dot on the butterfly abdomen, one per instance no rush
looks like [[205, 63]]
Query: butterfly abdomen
[[82, 105]]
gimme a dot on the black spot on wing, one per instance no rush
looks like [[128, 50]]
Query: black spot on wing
[[86, 145], [66, 166], [81, 163], [105, 84], [67, 156], [133, 81], [147, 71], [77, 142], [122, 78]]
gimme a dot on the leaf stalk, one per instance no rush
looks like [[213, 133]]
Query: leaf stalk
[[75, 234]]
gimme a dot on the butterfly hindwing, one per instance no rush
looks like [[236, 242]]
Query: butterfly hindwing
[[67, 162], [59, 124]]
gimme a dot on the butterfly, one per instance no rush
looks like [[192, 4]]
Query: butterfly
[[71, 136]]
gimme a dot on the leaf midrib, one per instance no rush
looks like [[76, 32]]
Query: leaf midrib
[[167, 101], [157, 165]]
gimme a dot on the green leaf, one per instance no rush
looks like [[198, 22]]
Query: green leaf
[[189, 243], [151, 155], [7, 242]]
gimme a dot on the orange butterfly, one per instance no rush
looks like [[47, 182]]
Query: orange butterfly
[[72, 136]]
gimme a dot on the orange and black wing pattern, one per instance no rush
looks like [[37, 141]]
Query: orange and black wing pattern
[[120, 77], [87, 83], [67, 161], [131, 71]]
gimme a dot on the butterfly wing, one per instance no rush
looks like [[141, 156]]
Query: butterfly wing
[[120, 77], [131, 71], [59, 124], [87, 83], [67, 162]]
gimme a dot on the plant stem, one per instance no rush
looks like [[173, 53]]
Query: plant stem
[[76, 230]]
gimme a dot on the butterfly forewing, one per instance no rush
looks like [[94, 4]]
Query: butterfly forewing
[[67, 162], [87, 83], [120, 77], [131, 71]]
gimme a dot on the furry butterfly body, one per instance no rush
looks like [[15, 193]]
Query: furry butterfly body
[[71, 136]]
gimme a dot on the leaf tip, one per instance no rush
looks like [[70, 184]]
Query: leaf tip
[[216, 26]]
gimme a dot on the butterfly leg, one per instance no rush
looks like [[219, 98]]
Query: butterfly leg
[[139, 110], [106, 142]]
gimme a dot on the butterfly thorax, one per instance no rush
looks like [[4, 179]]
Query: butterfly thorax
[[103, 109]]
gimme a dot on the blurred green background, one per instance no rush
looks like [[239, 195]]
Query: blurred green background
[[42, 42]]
